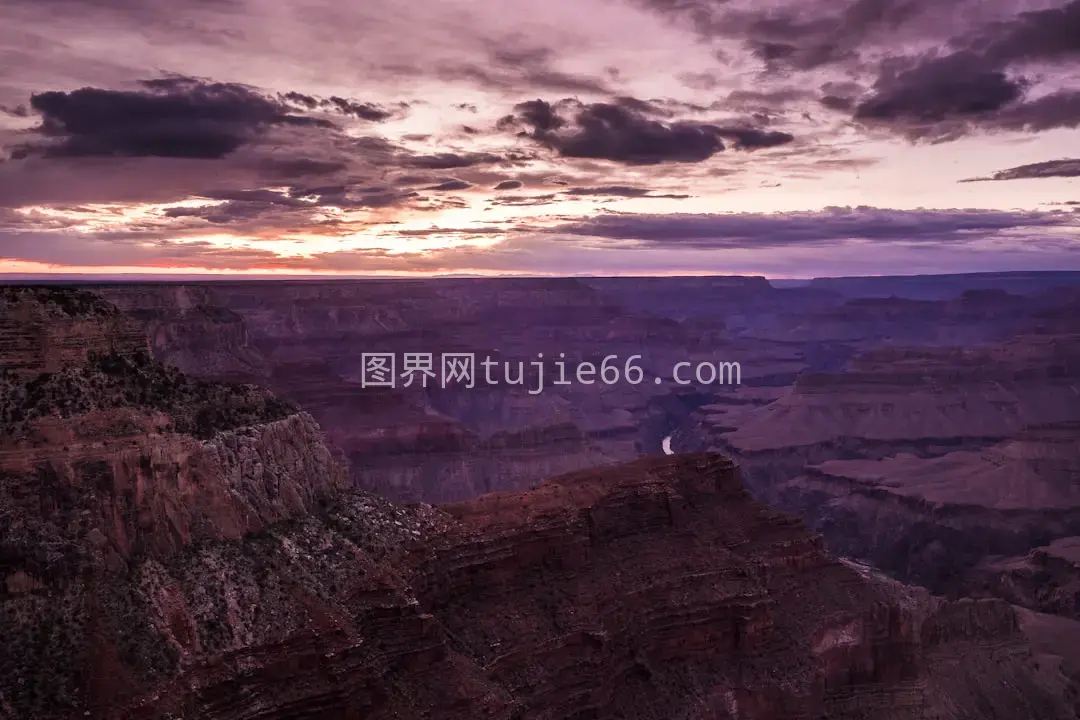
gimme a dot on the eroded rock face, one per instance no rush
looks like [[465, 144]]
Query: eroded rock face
[[638, 591], [426, 442], [149, 573], [45, 329], [924, 461], [187, 329], [305, 341], [1046, 579]]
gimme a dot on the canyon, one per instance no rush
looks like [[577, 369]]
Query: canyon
[[905, 378], [205, 513]]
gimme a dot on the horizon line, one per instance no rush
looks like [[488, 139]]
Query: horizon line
[[172, 278]]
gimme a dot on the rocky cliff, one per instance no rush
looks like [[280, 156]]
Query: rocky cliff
[[186, 328], [158, 566], [306, 340], [1046, 579], [651, 590], [44, 329], [928, 462]]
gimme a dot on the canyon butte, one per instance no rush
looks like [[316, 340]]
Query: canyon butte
[[204, 514]]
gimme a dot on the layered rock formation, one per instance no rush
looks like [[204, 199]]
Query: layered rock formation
[[45, 329], [1046, 579], [826, 378], [305, 340], [188, 330], [937, 520], [651, 590], [155, 567], [928, 462]]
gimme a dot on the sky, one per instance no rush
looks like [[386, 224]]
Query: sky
[[571, 137]]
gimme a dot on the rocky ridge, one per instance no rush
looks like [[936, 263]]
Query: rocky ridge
[[44, 329]]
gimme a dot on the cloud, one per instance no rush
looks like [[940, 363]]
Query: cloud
[[82, 251], [170, 117], [937, 97], [363, 110], [1049, 34], [838, 241], [513, 66], [451, 185], [615, 132], [524, 200], [757, 231], [453, 161], [508, 185], [943, 96], [766, 99], [625, 191], [790, 36], [1068, 167], [1056, 110]]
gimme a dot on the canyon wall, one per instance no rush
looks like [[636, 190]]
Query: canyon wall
[[155, 566]]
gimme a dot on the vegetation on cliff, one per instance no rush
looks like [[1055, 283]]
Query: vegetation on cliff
[[197, 407], [58, 300]]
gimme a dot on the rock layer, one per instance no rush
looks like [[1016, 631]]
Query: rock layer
[[652, 590]]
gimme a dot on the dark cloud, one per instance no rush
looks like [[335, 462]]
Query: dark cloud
[[309, 101], [1069, 167], [619, 190], [525, 200], [171, 117], [291, 168], [747, 230], [253, 213], [793, 37], [310, 199], [610, 131], [940, 98], [541, 115], [976, 86], [626, 191], [364, 111], [1050, 34], [509, 185], [451, 185], [642, 107], [937, 98], [1057, 110], [453, 161], [836, 102], [423, 232], [368, 198]]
